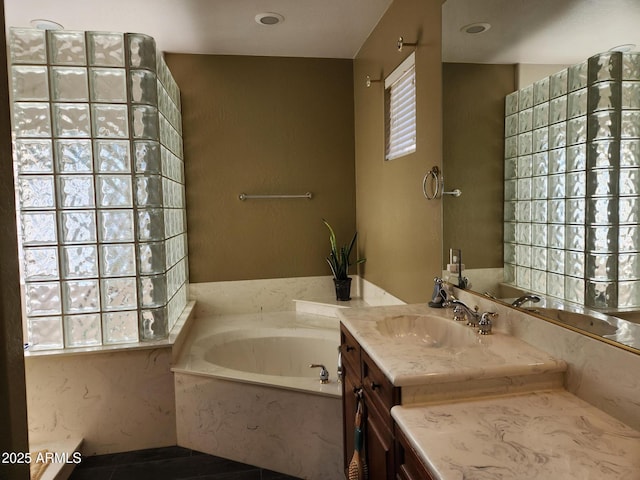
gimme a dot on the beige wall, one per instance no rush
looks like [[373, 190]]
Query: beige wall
[[399, 230], [473, 158], [265, 125]]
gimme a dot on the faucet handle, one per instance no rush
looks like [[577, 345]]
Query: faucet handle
[[484, 325]]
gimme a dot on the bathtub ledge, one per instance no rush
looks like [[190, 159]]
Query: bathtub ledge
[[176, 339]]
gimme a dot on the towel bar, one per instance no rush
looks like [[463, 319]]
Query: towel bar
[[246, 196]]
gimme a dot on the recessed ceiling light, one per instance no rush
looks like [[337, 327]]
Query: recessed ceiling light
[[42, 24], [269, 18], [626, 47], [476, 28]]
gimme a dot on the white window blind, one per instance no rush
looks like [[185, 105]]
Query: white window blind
[[400, 110]]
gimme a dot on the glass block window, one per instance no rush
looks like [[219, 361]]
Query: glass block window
[[97, 142], [572, 159], [400, 110]]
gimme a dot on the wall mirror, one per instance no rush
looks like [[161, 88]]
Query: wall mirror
[[492, 48]]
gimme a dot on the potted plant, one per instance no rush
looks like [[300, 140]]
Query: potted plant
[[339, 261]]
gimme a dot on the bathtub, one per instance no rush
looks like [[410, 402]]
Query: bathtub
[[244, 391]]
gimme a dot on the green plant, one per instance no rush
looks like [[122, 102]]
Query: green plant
[[338, 259]]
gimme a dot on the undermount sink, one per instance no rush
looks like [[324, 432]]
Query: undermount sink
[[582, 321], [433, 332]]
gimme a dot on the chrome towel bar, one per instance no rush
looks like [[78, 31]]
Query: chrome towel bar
[[246, 196]]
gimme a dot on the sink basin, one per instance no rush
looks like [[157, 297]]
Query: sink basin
[[582, 321], [430, 331]]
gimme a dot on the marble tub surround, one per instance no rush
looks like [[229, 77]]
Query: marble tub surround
[[251, 296], [491, 361], [117, 398], [278, 429], [279, 294], [116, 401], [602, 374], [206, 333], [233, 408], [538, 435]]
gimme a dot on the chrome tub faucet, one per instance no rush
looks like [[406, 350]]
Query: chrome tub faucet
[[529, 297]]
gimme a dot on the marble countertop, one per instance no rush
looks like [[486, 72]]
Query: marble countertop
[[412, 362], [539, 435]]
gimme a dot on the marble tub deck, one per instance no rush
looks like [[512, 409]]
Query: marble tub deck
[[286, 424], [539, 435]]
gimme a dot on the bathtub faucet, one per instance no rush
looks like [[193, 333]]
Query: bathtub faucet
[[324, 373], [529, 297]]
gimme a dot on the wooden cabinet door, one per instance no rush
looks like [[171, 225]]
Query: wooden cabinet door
[[350, 384]]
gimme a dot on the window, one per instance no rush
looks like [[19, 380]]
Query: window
[[400, 110]]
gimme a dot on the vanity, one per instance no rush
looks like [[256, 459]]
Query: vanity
[[442, 402]]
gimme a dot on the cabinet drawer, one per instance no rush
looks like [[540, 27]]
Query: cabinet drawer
[[379, 389], [408, 464], [350, 350]]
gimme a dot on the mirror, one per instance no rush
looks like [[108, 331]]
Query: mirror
[[521, 43]]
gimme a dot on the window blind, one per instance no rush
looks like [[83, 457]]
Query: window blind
[[400, 110]]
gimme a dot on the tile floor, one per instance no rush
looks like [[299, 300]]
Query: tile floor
[[170, 463]]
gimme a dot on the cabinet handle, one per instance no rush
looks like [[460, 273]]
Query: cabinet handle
[[374, 385], [350, 348]]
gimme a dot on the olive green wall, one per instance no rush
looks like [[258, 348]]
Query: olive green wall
[[473, 158], [399, 230], [13, 403], [265, 125]]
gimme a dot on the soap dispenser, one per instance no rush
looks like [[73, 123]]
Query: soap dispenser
[[455, 266]]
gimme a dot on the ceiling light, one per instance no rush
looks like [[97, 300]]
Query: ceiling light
[[42, 24], [624, 48], [476, 28], [269, 18]]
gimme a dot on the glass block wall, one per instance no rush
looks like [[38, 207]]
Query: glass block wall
[[100, 188], [572, 183]]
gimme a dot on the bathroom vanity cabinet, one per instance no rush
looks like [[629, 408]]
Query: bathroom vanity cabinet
[[386, 458], [437, 391]]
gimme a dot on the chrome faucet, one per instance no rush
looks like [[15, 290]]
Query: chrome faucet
[[324, 373], [529, 297], [461, 311]]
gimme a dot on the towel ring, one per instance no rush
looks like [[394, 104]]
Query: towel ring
[[431, 173], [438, 181]]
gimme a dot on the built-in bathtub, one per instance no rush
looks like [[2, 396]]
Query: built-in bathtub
[[244, 391]]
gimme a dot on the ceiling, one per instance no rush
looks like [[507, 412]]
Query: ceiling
[[538, 31], [311, 28], [522, 31]]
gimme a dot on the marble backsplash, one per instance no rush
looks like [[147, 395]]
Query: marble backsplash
[[601, 374], [276, 294]]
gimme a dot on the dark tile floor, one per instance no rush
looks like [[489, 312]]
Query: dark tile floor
[[170, 463]]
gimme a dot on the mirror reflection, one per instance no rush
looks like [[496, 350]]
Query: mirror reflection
[[573, 239]]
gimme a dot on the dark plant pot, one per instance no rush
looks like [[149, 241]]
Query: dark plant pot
[[343, 289]]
